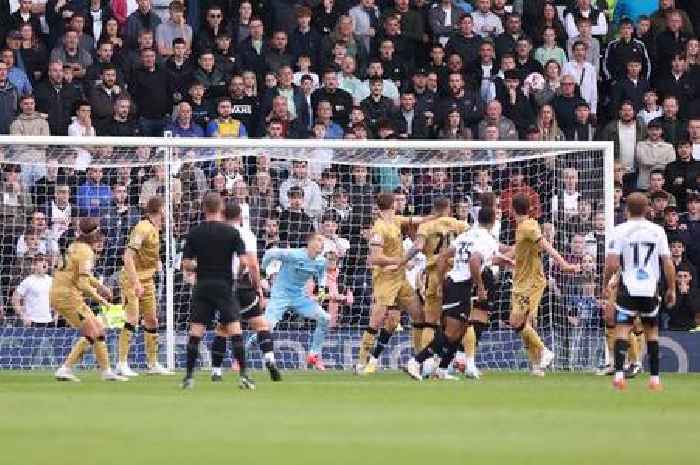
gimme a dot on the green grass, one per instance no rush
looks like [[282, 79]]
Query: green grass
[[336, 418]]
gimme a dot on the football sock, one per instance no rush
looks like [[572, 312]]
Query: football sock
[[447, 352], [469, 342], [417, 336], [634, 348], [533, 343], [641, 339], [428, 334], [267, 345], [150, 339], [124, 341], [610, 343], [192, 353], [431, 349], [366, 345], [238, 349], [101, 353], [621, 346], [218, 350], [76, 352], [653, 352], [382, 341]]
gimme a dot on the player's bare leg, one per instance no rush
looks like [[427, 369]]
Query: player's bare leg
[[540, 357], [376, 319]]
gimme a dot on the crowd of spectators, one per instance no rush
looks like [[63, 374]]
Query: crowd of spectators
[[375, 69]]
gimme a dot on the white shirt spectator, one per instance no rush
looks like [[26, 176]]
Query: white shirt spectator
[[313, 200], [47, 245], [34, 291], [390, 91], [587, 78], [487, 24], [599, 29]]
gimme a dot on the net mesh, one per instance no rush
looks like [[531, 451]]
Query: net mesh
[[45, 189]]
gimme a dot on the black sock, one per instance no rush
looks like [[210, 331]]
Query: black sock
[[653, 352], [238, 349], [90, 339], [447, 353], [265, 341], [192, 354], [621, 346], [218, 350], [129, 327], [433, 348], [382, 341]]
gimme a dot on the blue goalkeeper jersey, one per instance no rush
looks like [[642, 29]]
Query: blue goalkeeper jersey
[[296, 270]]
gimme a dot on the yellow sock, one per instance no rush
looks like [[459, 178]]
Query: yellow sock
[[426, 338], [610, 341], [642, 341], [77, 352], [533, 343], [633, 354], [469, 342], [123, 345], [151, 342], [102, 355], [417, 337], [366, 346]]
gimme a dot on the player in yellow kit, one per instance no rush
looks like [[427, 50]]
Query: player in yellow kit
[[72, 282], [141, 261], [391, 288], [434, 236], [529, 282]]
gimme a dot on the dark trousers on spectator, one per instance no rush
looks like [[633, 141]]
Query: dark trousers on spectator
[[152, 127]]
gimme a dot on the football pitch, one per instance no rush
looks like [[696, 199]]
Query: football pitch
[[337, 418]]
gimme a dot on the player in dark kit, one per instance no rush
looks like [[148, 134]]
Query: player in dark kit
[[209, 251]]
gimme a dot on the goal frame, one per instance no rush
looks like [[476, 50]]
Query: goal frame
[[171, 143]]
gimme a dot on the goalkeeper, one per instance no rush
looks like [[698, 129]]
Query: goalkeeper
[[289, 291]]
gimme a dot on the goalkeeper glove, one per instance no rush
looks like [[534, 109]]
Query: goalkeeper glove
[[322, 294]]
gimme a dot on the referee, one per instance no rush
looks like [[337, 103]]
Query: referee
[[209, 250]]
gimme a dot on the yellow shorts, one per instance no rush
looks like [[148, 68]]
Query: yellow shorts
[[433, 299], [394, 293], [69, 303], [526, 304], [146, 305]]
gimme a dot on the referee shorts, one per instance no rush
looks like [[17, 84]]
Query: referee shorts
[[212, 296]]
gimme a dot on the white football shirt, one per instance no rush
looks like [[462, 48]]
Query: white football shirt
[[34, 290], [251, 247], [477, 239], [639, 243]]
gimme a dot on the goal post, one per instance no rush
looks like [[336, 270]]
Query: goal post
[[338, 181]]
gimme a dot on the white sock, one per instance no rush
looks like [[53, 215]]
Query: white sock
[[619, 375], [654, 379], [470, 362], [269, 357], [216, 371]]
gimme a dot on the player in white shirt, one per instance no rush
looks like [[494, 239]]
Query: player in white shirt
[[472, 251], [249, 295], [636, 249], [31, 298]]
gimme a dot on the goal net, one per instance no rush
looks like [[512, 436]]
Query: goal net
[[287, 188]]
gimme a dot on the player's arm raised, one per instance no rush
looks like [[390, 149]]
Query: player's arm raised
[[565, 266]]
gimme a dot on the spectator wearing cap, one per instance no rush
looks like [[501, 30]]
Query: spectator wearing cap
[[175, 27], [620, 51], [631, 88], [682, 173], [305, 40], [625, 131], [651, 154], [313, 199], [516, 106], [294, 223], [680, 82], [685, 314]]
